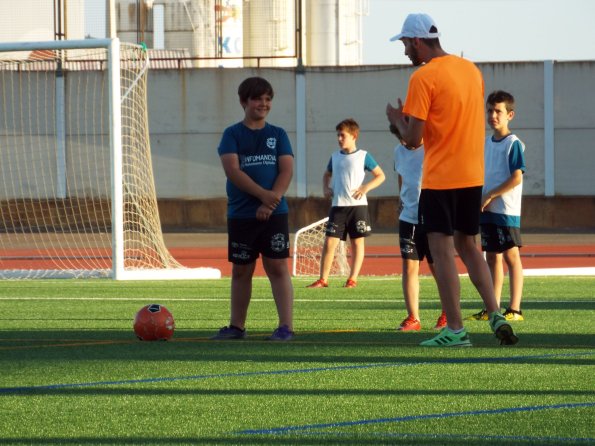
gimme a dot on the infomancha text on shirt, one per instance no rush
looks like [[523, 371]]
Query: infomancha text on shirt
[[258, 160]]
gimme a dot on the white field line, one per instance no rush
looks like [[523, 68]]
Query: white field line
[[226, 299]]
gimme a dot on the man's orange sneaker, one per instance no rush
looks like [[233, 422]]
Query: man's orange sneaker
[[320, 283], [410, 324]]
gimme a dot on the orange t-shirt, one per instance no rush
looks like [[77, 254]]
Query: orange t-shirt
[[447, 93]]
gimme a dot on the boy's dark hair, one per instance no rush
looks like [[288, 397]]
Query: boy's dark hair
[[395, 131], [254, 87], [350, 125], [499, 96]]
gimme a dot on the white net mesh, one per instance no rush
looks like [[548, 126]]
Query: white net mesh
[[307, 250], [55, 185]]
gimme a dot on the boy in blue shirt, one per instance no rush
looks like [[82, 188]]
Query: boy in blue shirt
[[258, 162], [501, 203]]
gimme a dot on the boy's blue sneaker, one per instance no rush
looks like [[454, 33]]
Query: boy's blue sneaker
[[447, 338], [502, 329], [283, 333], [230, 332]]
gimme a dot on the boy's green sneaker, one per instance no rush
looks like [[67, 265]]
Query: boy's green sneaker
[[502, 329], [447, 338]]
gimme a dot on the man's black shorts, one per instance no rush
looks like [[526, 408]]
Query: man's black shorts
[[352, 220], [249, 237], [413, 242], [450, 210]]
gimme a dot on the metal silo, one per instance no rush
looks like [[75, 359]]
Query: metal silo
[[269, 31], [333, 34]]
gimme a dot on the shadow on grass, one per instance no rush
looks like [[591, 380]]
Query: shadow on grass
[[548, 303], [308, 439], [285, 392], [308, 347]]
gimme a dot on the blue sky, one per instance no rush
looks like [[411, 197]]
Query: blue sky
[[487, 30]]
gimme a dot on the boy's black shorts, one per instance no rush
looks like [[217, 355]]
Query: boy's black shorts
[[413, 242], [498, 239], [450, 210], [249, 237], [352, 220]]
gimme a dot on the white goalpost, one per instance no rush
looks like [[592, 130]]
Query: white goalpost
[[77, 193], [307, 250]]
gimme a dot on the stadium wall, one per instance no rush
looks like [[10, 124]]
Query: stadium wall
[[189, 108], [540, 214]]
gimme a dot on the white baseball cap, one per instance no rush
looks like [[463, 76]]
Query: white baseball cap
[[418, 25]]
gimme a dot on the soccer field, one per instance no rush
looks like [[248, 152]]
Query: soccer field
[[73, 372]]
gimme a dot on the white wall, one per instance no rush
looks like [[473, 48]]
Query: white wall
[[190, 108]]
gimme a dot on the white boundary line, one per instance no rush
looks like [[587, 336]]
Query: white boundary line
[[226, 299], [581, 271]]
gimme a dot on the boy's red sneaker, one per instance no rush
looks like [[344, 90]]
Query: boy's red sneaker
[[441, 322], [410, 324], [350, 284], [320, 283]]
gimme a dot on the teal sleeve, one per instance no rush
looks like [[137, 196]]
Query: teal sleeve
[[516, 157]]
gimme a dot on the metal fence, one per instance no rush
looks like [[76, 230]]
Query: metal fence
[[202, 33]]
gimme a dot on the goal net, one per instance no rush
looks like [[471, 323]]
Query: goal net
[[307, 250], [77, 195]]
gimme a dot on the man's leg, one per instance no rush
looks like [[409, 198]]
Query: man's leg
[[478, 270], [447, 277]]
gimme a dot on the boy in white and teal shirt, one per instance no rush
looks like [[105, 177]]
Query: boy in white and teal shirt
[[501, 204]]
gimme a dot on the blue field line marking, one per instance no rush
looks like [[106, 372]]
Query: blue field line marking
[[25, 389], [307, 427]]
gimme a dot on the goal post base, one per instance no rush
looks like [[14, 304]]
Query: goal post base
[[139, 274]]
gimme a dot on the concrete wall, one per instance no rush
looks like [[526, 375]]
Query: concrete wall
[[188, 110]]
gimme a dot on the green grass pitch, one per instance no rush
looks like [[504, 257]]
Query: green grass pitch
[[72, 372]]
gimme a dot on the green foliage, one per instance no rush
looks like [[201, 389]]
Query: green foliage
[[73, 373]]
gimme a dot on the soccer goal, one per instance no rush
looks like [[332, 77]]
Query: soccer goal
[[77, 194], [307, 250]]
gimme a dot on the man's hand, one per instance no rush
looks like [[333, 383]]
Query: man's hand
[[395, 114]]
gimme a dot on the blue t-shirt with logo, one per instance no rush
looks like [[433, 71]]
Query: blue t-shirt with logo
[[258, 152]]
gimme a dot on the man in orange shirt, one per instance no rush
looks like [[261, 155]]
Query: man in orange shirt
[[445, 107]]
